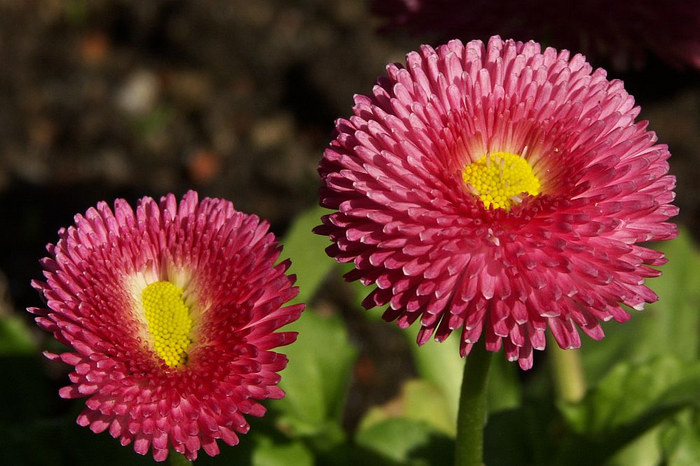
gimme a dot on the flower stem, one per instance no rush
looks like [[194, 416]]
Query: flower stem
[[471, 417], [176, 459], [569, 382]]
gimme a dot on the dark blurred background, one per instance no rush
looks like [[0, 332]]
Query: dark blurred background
[[234, 98]]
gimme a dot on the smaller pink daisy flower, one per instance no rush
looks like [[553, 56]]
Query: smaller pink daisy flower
[[172, 314], [501, 191]]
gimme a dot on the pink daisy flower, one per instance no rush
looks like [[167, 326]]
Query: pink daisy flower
[[171, 312], [623, 33], [498, 190]]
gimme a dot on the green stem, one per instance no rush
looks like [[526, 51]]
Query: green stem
[[569, 382], [176, 459], [471, 417]]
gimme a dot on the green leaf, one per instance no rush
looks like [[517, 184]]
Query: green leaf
[[642, 451], [631, 390], [441, 364], [178, 459], [317, 376], [306, 250], [681, 440], [407, 442], [15, 337], [268, 453], [628, 402], [419, 400]]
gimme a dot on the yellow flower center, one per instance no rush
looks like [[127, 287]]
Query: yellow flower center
[[168, 321], [499, 179]]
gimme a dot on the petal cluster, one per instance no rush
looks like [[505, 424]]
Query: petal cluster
[[623, 34], [226, 263], [564, 259]]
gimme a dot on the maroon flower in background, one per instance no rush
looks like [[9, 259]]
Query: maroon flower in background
[[171, 313], [621, 33], [499, 190]]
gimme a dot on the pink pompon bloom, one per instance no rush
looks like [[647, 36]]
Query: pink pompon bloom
[[500, 190], [623, 34], [171, 312]]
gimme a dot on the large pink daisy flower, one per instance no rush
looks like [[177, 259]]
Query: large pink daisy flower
[[622, 33], [500, 190], [171, 312]]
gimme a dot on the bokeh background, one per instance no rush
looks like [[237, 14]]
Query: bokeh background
[[233, 98]]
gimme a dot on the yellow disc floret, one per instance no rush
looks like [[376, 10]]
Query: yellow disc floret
[[168, 320], [499, 178]]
